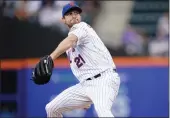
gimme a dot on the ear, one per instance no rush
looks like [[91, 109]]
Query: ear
[[62, 20]]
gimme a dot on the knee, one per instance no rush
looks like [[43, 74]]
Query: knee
[[50, 108]]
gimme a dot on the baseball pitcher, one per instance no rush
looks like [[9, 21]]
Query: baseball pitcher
[[90, 62]]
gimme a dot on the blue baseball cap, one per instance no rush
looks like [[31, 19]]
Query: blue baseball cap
[[70, 6]]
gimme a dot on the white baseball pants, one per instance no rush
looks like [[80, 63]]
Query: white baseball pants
[[99, 91]]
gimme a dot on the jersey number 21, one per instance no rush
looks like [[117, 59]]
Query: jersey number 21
[[79, 61]]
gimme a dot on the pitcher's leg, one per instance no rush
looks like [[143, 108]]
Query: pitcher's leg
[[103, 92], [103, 104], [71, 98], [103, 101]]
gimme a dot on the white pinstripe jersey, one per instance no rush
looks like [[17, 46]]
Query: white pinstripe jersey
[[89, 56]]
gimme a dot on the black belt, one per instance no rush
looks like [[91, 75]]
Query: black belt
[[98, 75]]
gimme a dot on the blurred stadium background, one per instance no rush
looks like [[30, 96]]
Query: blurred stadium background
[[136, 33]]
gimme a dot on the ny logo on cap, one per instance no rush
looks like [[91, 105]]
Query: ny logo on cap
[[71, 3]]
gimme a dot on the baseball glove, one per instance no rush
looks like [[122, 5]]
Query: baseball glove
[[43, 71]]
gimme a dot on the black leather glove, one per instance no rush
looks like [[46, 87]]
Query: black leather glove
[[43, 70]]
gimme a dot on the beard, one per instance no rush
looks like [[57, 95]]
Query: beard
[[72, 22]]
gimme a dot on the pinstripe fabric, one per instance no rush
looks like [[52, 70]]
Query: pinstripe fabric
[[102, 91], [88, 58], [96, 56], [99, 91], [71, 98]]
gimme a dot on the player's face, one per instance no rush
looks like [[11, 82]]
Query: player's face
[[71, 18]]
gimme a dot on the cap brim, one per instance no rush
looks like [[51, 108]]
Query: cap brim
[[74, 8]]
